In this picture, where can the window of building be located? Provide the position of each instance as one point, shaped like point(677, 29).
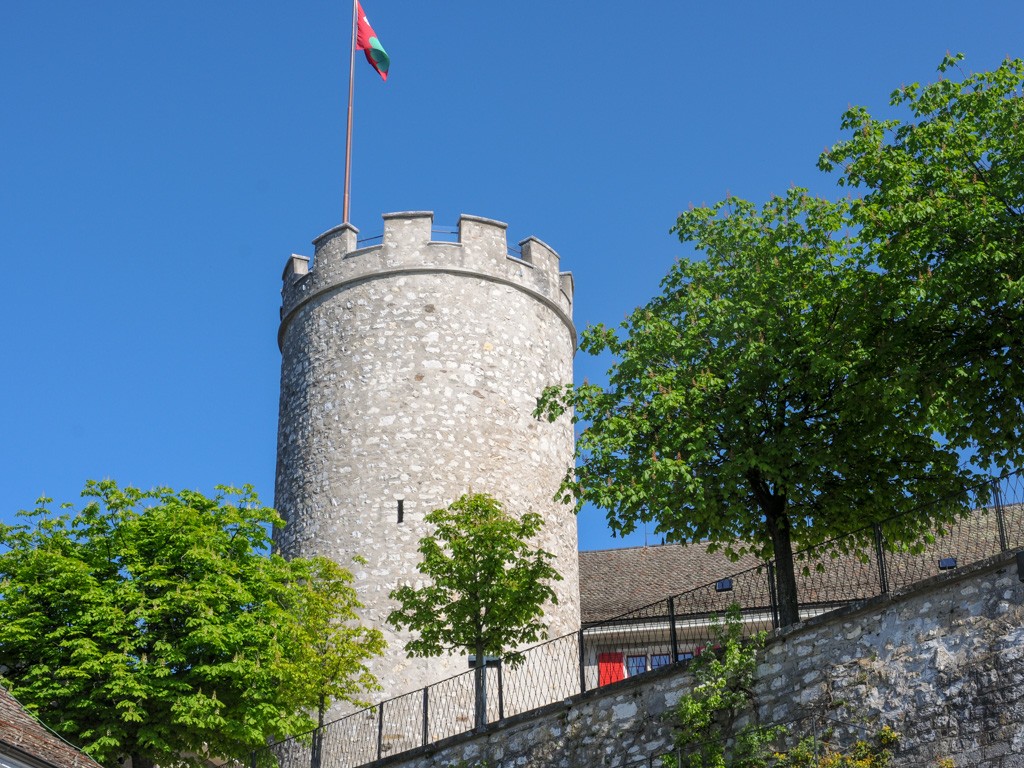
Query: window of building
point(636, 665)
point(615, 666)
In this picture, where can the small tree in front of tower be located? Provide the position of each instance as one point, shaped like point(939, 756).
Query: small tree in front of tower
point(328, 647)
point(488, 587)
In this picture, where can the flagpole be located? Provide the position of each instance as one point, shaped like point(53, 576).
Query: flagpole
point(348, 130)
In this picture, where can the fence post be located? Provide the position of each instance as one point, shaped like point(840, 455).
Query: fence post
point(252, 759)
point(997, 501)
point(583, 664)
point(380, 730)
point(772, 596)
point(672, 629)
point(426, 715)
point(883, 569)
point(501, 690)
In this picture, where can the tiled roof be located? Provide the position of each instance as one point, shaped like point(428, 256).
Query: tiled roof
point(614, 582)
point(23, 738)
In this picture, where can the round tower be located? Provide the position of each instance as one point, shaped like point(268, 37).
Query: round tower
point(410, 371)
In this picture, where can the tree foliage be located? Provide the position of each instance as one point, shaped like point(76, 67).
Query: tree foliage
point(744, 407)
point(151, 624)
point(873, 751)
point(942, 215)
point(706, 734)
point(329, 645)
point(714, 725)
point(487, 588)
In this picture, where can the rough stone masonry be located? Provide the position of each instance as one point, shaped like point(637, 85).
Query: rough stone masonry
point(410, 370)
point(942, 663)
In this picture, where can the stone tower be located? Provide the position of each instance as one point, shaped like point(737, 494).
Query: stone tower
point(410, 371)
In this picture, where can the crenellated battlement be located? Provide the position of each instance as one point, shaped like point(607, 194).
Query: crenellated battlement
point(407, 247)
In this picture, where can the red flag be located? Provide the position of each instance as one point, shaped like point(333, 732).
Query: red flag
point(366, 40)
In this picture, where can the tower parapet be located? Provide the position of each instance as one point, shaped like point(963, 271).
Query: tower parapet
point(407, 248)
point(410, 370)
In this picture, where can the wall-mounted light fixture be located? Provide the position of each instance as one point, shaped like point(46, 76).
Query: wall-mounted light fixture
point(492, 662)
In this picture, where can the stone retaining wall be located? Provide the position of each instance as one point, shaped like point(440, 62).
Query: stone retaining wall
point(942, 664)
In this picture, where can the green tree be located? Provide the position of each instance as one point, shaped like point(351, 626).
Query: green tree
point(873, 751)
point(743, 407)
point(151, 625)
point(487, 588)
point(329, 645)
point(706, 734)
point(942, 215)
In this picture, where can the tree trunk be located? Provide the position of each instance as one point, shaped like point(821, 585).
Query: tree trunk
point(316, 753)
point(773, 505)
point(785, 568)
point(481, 686)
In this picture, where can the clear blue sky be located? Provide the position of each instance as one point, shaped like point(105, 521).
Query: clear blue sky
point(159, 161)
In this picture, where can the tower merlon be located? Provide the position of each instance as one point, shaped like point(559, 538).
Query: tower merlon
point(488, 235)
point(407, 247)
point(545, 261)
point(339, 240)
point(406, 228)
point(568, 285)
point(294, 268)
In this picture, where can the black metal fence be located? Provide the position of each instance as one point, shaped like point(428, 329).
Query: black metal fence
point(840, 571)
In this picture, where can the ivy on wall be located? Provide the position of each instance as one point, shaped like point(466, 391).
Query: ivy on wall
point(716, 726)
